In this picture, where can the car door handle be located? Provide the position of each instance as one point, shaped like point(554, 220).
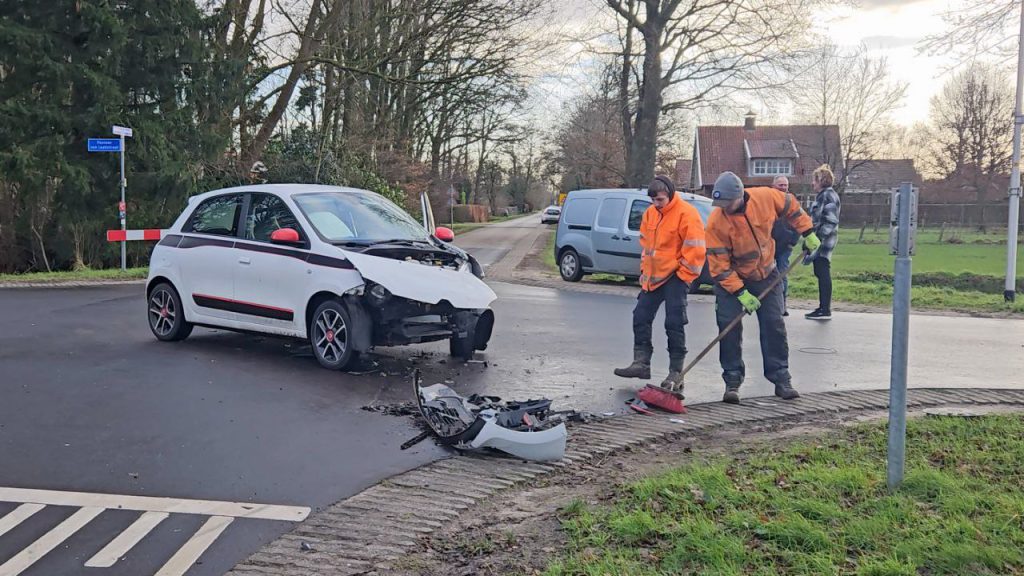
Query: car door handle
point(616, 237)
point(627, 238)
point(244, 260)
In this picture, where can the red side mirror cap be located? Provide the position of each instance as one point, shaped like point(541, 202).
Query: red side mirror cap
point(444, 234)
point(285, 236)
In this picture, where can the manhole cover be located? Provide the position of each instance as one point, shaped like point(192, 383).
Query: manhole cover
point(813, 350)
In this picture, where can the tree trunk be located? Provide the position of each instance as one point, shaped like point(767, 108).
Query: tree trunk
point(645, 137)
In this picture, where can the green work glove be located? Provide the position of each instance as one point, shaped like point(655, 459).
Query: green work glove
point(749, 301)
point(811, 242)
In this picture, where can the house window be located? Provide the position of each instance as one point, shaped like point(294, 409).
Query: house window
point(773, 167)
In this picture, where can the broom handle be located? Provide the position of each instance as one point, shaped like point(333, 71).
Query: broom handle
point(725, 331)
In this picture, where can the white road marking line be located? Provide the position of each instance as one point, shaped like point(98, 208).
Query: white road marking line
point(127, 539)
point(17, 516)
point(188, 554)
point(152, 504)
point(49, 541)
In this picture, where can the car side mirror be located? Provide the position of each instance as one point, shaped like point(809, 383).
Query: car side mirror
point(285, 236)
point(444, 234)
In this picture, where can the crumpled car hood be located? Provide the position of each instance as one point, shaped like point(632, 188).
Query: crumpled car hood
point(424, 283)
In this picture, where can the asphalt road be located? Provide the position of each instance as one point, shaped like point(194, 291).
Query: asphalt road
point(91, 402)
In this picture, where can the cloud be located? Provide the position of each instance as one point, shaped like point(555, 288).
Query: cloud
point(872, 4)
point(888, 42)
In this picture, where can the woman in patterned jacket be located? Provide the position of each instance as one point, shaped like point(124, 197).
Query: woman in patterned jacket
point(825, 213)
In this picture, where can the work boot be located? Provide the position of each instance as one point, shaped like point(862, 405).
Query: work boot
point(786, 391)
point(674, 381)
point(732, 394)
point(640, 368)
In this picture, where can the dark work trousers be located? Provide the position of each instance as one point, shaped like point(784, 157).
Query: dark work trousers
point(673, 294)
point(774, 345)
point(823, 270)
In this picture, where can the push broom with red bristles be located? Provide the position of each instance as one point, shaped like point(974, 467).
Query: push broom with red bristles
point(672, 401)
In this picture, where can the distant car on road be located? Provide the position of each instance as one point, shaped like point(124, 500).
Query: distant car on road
point(599, 231)
point(343, 268)
point(551, 215)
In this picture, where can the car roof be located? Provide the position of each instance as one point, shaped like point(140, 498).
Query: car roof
point(595, 192)
point(279, 189)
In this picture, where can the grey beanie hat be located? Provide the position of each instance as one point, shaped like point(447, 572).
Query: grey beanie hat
point(728, 187)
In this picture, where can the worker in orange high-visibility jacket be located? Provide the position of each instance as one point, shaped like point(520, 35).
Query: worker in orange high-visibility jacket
point(741, 259)
point(672, 257)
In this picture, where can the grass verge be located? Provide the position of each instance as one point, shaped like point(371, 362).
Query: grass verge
point(820, 507)
point(76, 276)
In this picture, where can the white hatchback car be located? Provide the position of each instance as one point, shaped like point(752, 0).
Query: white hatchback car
point(343, 268)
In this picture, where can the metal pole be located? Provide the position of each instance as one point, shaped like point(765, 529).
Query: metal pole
point(900, 342)
point(124, 215)
point(1011, 231)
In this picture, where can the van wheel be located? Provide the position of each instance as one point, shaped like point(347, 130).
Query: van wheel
point(330, 334)
point(569, 266)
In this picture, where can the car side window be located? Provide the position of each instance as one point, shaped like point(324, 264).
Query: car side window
point(268, 213)
point(610, 216)
point(636, 214)
point(218, 215)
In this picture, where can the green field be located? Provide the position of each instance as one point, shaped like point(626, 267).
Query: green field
point(820, 506)
point(77, 276)
point(965, 276)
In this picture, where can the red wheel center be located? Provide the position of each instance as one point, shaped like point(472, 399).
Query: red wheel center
point(163, 312)
point(330, 335)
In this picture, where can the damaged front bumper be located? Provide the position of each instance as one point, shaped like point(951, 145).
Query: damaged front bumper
point(520, 429)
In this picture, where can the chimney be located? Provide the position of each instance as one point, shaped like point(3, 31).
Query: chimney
point(748, 121)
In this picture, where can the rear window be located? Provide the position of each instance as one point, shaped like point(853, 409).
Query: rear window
point(580, 211)
point(611, 213)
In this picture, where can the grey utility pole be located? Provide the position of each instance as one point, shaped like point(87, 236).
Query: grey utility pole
point(1011, 231)
point(900, 336)
point(122, 208)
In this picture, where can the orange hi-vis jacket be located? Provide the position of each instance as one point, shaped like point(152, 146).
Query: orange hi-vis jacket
point(740, 245)
point(672, 242)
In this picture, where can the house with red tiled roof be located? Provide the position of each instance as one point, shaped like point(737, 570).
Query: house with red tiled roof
point(682, 175)
point(757, 154)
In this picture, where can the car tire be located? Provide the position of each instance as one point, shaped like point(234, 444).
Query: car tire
point(569, 266)
point(461, 347)
point(330, 336)
point(166, 315)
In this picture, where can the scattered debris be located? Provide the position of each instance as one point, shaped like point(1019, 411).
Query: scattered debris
point(402, 409)
point(677, 421)
point(529, 430)
point(414, 441)
point(306, 547)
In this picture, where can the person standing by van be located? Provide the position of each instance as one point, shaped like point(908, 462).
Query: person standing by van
point(741, 258)
point(672, 257)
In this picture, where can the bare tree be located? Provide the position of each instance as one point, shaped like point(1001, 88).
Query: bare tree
point(851, 90)
point(694, 52)
point(969, 135)
point(977, 28)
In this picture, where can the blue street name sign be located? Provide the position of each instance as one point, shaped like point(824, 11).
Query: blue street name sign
point(104, 144)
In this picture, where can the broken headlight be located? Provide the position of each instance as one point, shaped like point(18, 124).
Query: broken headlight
point(379, 295)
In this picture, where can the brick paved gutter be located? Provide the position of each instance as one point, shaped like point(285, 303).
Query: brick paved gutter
point(381, 524)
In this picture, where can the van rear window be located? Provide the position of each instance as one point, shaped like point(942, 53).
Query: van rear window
point(580, 211)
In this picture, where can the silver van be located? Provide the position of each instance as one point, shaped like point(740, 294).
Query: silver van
point(599, 231)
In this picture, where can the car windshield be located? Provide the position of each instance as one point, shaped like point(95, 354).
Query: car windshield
point(358, 218)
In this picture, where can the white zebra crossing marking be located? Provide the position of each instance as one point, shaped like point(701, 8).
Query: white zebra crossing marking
point(17, 516)
point(48, 541)
point(154, 511)
point(124, 541)
point(194, 548)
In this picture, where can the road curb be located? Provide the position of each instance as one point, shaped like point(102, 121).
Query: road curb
point(366, 532)
point(71, 284)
